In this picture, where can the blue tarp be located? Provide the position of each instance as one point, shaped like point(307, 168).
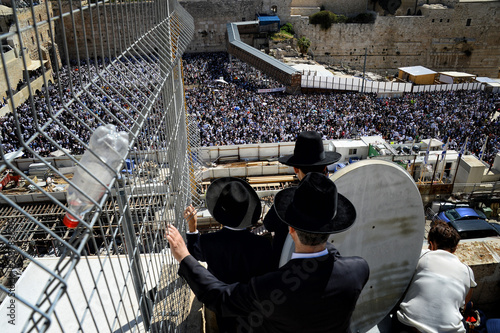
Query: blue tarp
point(336, 167)
point(265, 20)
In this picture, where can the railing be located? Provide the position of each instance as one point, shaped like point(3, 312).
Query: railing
point(115, 62)
point(312, 81)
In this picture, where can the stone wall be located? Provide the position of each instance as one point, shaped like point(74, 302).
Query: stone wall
point(346, 7)
point(451, 37)
point(23, 95)
point(32, 41)
point(282, 8)
point(443, 39)
point(109, 29)
point(211, 17)
point(27, 21)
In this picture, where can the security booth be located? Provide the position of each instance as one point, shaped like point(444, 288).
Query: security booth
point(490, 85)
point(456, 77)
point(417, 75)
point(269, 23)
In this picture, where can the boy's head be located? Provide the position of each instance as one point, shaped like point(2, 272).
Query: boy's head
point(233, 202)
point(442, 236)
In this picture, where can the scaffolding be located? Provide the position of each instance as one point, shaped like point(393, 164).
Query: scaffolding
point(70, 67)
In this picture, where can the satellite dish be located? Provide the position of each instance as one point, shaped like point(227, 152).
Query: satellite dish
point(388, 234)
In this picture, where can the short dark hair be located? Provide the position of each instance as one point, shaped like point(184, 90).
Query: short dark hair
point(444, 235)
point(311, 239)
point(313, 168)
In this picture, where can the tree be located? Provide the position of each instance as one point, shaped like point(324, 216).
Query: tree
point(324, 18)
point(288, 28)
point(303, 43)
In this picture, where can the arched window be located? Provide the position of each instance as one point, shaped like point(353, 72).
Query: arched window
point(274, 8)
point(408, 12)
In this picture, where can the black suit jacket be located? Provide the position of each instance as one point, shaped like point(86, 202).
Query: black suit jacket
point(305, 295)
point(232, 255)
point(274, 224)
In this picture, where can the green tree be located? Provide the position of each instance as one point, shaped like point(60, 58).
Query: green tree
point(324, 18)
point(288, 28)
point(303, 43)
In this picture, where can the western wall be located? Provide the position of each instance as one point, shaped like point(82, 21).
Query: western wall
point(449, 35)
point(37, 45)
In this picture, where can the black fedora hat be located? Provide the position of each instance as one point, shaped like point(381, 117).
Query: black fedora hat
point(315, 206)
point(309, 151)
point(233, 202)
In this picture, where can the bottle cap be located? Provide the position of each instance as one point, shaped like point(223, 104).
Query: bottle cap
point(70, 221)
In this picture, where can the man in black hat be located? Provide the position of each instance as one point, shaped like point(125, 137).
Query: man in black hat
point(233, 254)
point(316, 291)
point(309, 155)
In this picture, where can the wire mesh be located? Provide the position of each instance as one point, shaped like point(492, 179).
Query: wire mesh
point(69, 67)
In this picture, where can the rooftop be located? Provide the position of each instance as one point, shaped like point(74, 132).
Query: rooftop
point(417, 70)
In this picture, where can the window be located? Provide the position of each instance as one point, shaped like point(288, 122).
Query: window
point(32, 40)
point(274, 9)
point(353, 151)
point(468, 23)
point(41, 36)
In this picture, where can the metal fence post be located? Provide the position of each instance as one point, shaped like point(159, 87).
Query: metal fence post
point(146, 305)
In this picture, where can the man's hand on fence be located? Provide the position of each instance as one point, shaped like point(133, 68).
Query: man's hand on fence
point(177, 245)
point(191, 218)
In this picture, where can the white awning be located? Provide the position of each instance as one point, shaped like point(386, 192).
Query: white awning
point(35, 64)
point(457, 74)
point(417, 70)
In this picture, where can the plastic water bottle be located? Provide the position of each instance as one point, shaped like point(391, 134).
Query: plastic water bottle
point(112, 147)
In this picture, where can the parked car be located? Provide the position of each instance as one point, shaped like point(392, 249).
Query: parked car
point(469, 222)
point(496, 226)
point(461, 213)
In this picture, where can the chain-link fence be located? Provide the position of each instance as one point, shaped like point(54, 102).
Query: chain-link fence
point(69, 67)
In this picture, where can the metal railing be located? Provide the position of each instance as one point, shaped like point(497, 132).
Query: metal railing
point(312, 81)
point(101, 62)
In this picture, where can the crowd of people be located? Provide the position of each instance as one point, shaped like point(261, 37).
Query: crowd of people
point(316, 289)
point(234, 113)
point(223, 97)
point(79, 98)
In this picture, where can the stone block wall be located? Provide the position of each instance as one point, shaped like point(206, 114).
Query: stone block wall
point(346, 7)
point(483, 256)
point(443, 39)
point(15, 72)
point(211, 17)
point(454, 36)
point(27, 19)
point(108, 29)
point(282, 8)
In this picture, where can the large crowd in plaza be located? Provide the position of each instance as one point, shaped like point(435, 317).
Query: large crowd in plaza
point(222, 96)
point(235, 113)
point(78, 101)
